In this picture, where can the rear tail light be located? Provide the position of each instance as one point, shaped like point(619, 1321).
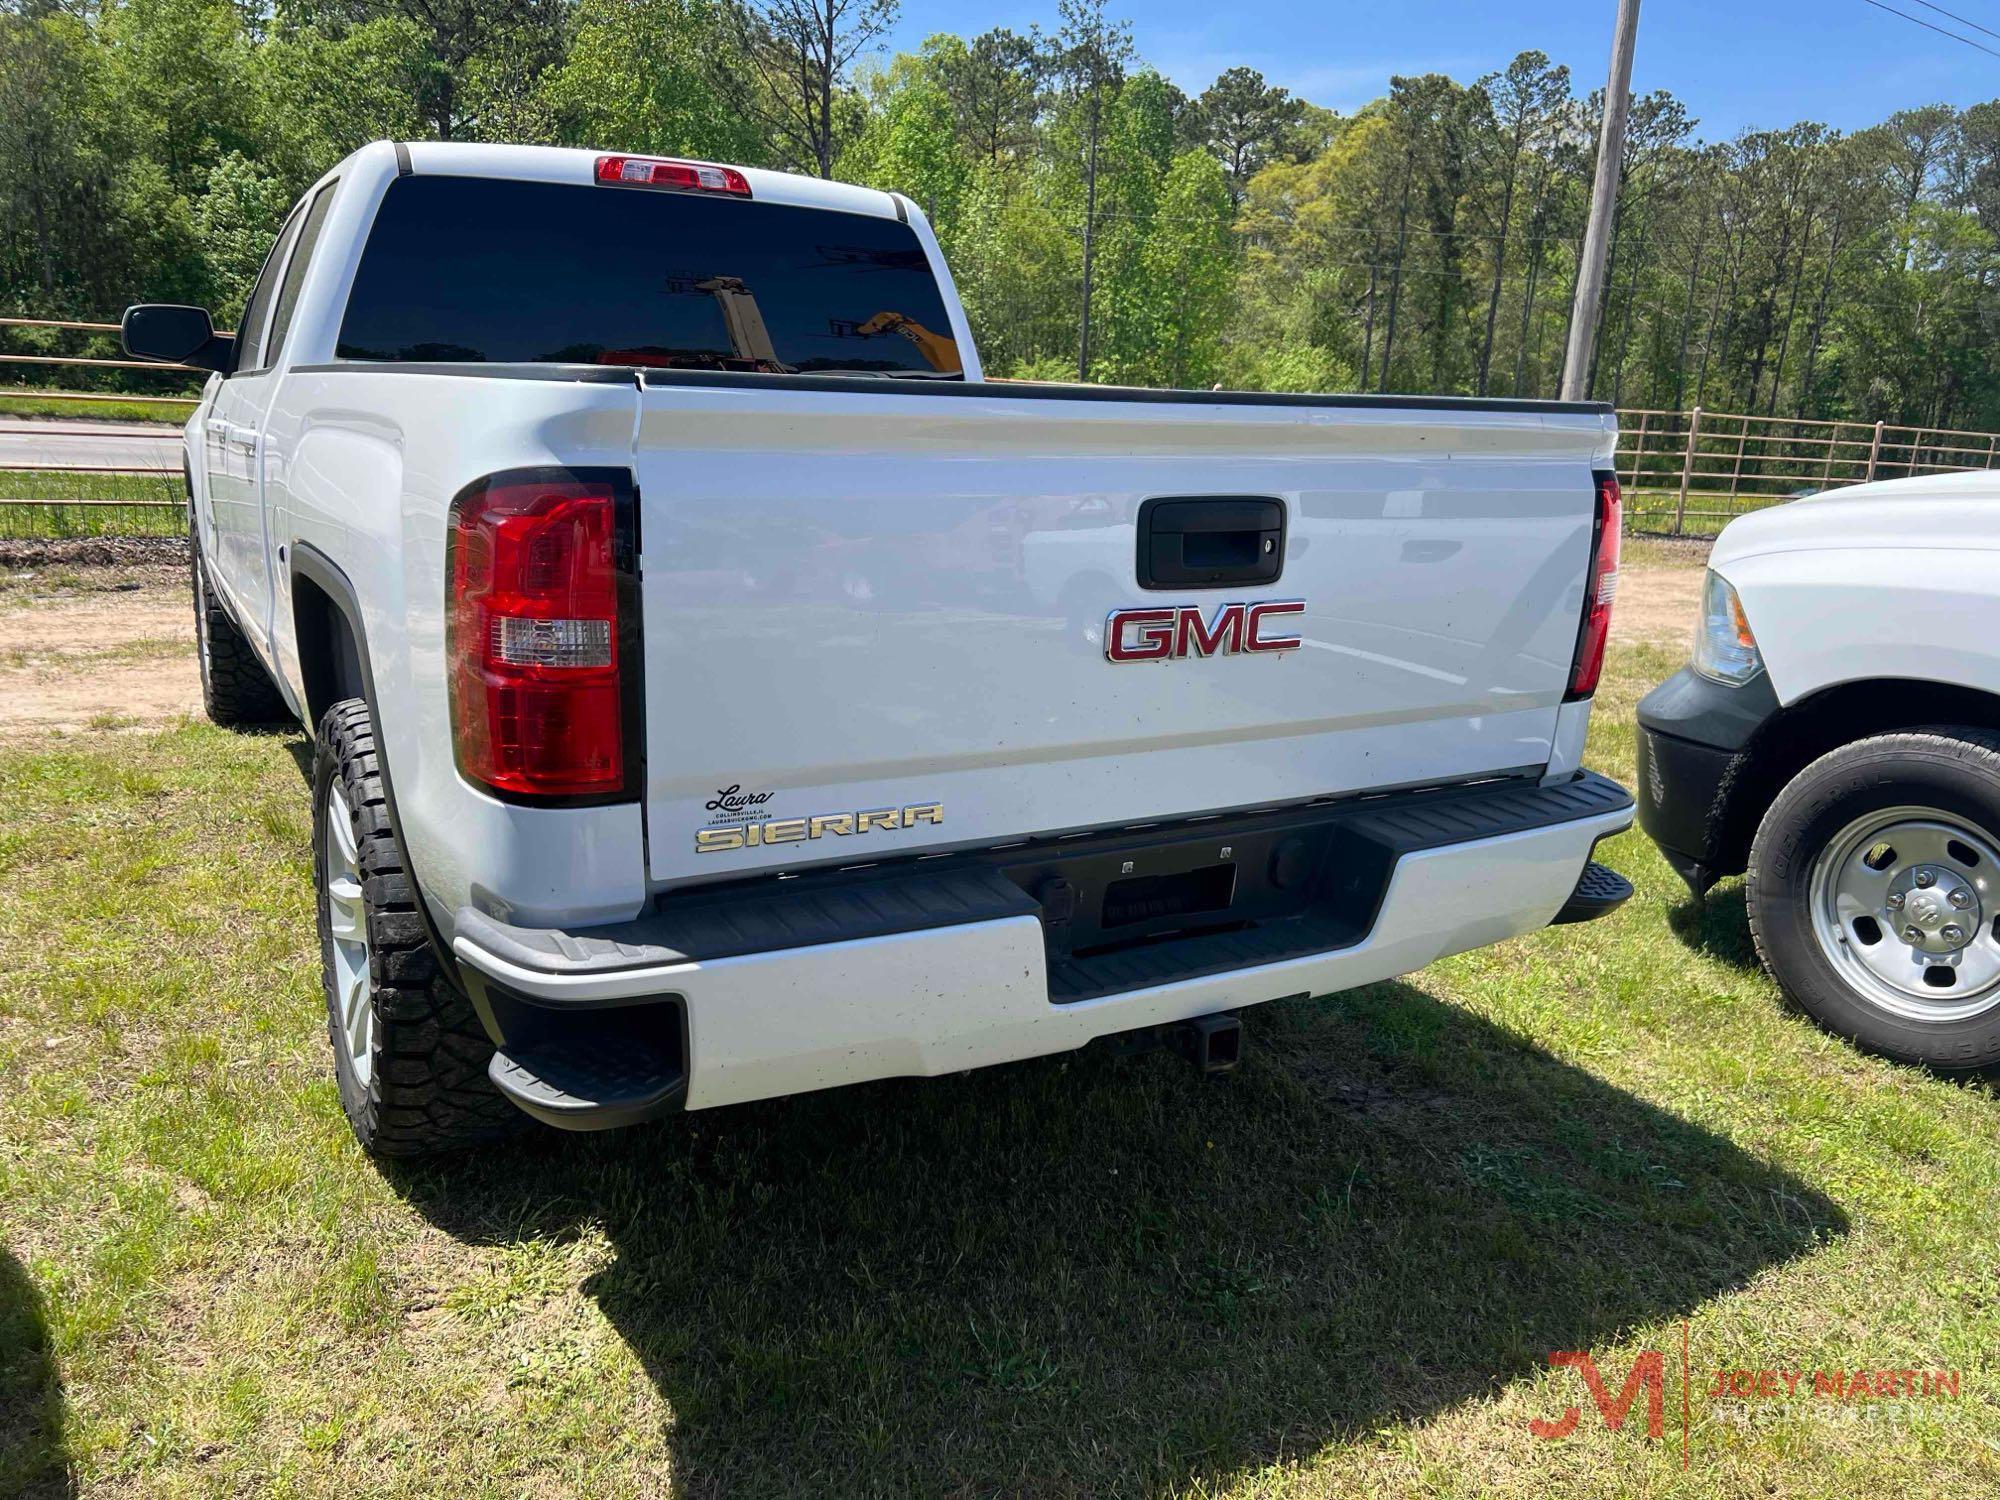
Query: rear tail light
point(1600, 589)
point(677, 176)
point(539, 630)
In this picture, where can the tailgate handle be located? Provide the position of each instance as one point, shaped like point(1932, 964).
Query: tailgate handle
point(1210, 541)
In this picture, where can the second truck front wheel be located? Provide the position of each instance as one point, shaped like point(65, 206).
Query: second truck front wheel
point(1874, 895)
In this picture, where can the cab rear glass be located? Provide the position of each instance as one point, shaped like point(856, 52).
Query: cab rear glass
point(467, 269)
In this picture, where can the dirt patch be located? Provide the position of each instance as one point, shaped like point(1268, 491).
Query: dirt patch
point(1668, 551)
point(1656, 606)
point(92, 623)
point(19, 553)
point(97, 659)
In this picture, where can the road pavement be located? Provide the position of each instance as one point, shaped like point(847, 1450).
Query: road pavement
point(29, 442)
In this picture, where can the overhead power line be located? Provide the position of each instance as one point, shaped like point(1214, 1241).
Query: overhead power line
point(1920, 21)
point(1989, 31)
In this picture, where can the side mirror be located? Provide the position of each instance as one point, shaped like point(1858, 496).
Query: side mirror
point(176, 335)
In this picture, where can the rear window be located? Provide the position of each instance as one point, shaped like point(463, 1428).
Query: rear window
point(475, 269)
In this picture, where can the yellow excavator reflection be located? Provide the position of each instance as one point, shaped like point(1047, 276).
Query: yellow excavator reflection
point(750, 346)
point(939, 352)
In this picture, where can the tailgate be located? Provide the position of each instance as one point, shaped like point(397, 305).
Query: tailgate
point(875, 621)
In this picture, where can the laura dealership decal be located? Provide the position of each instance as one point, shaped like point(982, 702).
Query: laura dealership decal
point(739, 822)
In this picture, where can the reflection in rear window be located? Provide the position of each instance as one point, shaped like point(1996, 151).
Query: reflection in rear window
point(476, 269)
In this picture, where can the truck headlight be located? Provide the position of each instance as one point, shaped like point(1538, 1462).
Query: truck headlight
point(1724, 648)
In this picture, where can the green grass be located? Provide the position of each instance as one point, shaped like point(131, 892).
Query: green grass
point(1651, 512)
point(1339, 1271)
point(58, 404)
point(52, 503)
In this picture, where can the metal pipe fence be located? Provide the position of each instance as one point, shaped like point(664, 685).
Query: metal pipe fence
point(95, 480)
point(46, 334)
point(1685, 473)
point(1688, 473)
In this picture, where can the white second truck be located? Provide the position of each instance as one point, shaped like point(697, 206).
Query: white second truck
point(1836, 739)
point(721, 690)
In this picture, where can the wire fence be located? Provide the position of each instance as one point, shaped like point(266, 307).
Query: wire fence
point(1689, 473)
point(1685, 473)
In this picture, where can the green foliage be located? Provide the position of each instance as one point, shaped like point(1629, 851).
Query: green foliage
point(1015, 259)
point(235, 220)
point(789, 68)
point(326, 92)
point(1429, 242)
point(1187, 270)
point(1246, 122)
point(176, 72)
point(910, 147)
point(635, 78)
point(993, 83)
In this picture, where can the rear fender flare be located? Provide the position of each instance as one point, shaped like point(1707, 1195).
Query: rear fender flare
point(329, 673)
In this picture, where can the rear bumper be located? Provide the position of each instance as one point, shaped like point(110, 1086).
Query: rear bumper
point(785, 989)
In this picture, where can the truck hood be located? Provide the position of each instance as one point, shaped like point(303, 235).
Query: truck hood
point(1927, 510)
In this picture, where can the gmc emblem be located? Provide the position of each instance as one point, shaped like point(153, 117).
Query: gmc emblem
point(1170, 632)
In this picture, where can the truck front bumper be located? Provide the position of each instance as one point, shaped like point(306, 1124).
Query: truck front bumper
point(784, 987)
point(1694, 739)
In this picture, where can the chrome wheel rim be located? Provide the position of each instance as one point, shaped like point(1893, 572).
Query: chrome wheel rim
point(1905, 902)
point(347, 928)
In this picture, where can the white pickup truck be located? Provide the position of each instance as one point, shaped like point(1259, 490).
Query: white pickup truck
point(652, 560)
point(1836, 738)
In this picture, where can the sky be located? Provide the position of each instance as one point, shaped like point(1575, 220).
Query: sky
point(1748, 64)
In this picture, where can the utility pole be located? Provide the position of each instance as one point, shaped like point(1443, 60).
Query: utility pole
point(1603, 206)
point(1089, 228)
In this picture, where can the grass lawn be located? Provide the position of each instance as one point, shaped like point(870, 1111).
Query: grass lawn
point(1652, 511)
point(1340, 1271)
point(53, 503)
point(25, 403)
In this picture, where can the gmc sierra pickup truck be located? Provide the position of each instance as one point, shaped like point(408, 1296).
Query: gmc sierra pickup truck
point(722, 691)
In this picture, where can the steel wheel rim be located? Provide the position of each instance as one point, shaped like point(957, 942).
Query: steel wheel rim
point(347, 931)
point(1904, 870)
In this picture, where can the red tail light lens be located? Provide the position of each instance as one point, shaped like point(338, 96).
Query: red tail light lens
point(677, 176)
point(533, 635)
point(1600, 591)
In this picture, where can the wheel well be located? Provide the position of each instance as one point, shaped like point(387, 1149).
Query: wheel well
point(329, 654)
point(1796, 736)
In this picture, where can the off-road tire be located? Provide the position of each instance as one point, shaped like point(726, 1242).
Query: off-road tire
point(428, 1089)
point(235, 689)
point(1953, 769)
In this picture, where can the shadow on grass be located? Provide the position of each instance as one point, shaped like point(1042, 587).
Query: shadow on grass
point(32, 1462)
point(1718, 926)
point(1081, 1274)
point(300, 749)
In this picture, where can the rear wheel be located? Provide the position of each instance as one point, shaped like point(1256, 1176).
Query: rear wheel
point(1874, 895)
point(235, 689)
point(409, 1054)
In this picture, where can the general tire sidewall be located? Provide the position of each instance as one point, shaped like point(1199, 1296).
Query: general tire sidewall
point(1825, 798)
